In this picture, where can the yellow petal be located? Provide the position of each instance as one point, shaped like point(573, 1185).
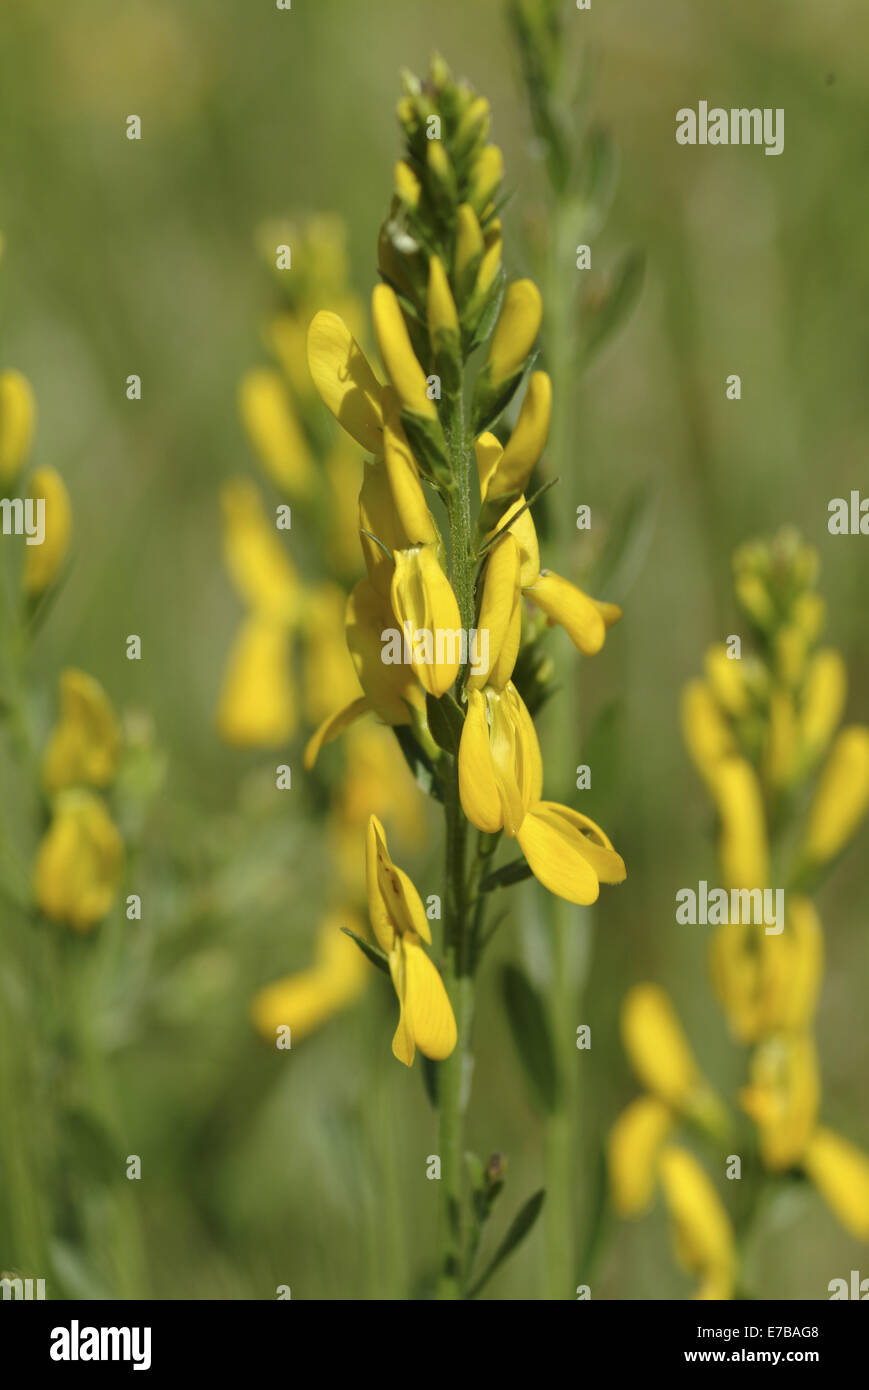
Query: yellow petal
point(782, 1097)
point(568, 853)
point(43, 563)
point(527, 442)
point(407, 185)
point(516, 330)
point(274, 431)
point(742, 846)
point(396, 351)
point(516, 757)
point(426, 610)
point(394, 905)
point(17, 424)
point(408, 498)
point(390, 688)
point(486, 176)
point(529, 551)
point(573, 610)
point(440, 306)
point(344, 379)
point(78, 865)
point(427, 1013)
point(633, 1146)
point(841, 796)
point(707, 735)
point(332, 728)
point(257, 707)
point(469, 238)
point(488, 450)
point(725, 677)
point(85, 744)
point(840, 1172)
point(657, 1047)
point(258, 563)
point(499, 612)
point(702, 1233)
point(823, 702)
point(478, 789)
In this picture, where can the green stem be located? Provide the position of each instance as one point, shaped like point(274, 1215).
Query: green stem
point(454, 1073)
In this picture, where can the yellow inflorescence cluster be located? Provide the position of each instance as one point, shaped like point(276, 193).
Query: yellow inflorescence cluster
point(757, 727)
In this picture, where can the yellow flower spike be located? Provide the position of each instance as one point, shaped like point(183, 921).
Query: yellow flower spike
point(823, 702)
point(257, 705)
point(17, 424)
point(780, 759)
point(841, 796)
point(565, 604)
point(708, 736)
point(79, 862)
point(408, 498)
point(658, 1049)
point(399, 922)
point(345, 380)
point(702, 1234)
point(516, 330)
point(85, 744)
point(396, 351)
point(726, 680)
point(407, 185)
point(568, 853)
point(443, 319)
point(500, 614)
point(633, 1146)
point(426, 610)
point(742, 848)
point(258, 563)
point(308, 998)
point(486, 176)
point(840, 1172)
point(469, 240)
point(782, 1097)
point(526, 443)
point(274, 431)
point(43, 563)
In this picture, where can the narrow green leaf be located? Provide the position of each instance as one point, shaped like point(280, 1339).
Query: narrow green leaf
point(530, 1027)
point(607, 306)
point(514, 872)
point(522, 1224)
point(374, 953)
point(445, 720)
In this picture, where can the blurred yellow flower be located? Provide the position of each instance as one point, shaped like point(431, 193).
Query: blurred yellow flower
point(275, 432)
point(769, 983)
point(259, 565)
point(43, 563)
point(742, 848)
point(257, 705)
point(702, 1234)
point(305, 1000)
point(17, 424)
point(840, 1171)
point(661, 1056)
point(633, 1146)
point(398, 918)
point(79, 862)
point(841, 796)
point(85, 743)
point(782, 1097)
point(707, 734)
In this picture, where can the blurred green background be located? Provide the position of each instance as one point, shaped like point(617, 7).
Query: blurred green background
point(308, 1168)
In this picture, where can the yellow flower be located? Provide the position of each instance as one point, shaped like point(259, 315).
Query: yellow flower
point(398, 918)
point(841, 796)
point(84, 746)
point(840, 1172)
point(724, 675)
point(43, 563)
point(330, 677)
point(259, 564)
point(526, 443)
point(769, 984)
point(742, 847)
point(414, 519)
point(427, 613)
point(516, 330)
point(273, 429)
point(823, 702)
point(394, 345)
point(469, 241)
point(702, 1233)
point(661, 1057)
point(17, 424)
point(707, 734)
point(407, 185)
point(345, 380)
point(780, 763)
point(305, 1000)
point(782, 1097)
point(584, 620)
point(78, 866)
point(633, 1146)
point(391, 690)
point(500, 618)
point(257, 707)
point(486, 175)
point(443, 320)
